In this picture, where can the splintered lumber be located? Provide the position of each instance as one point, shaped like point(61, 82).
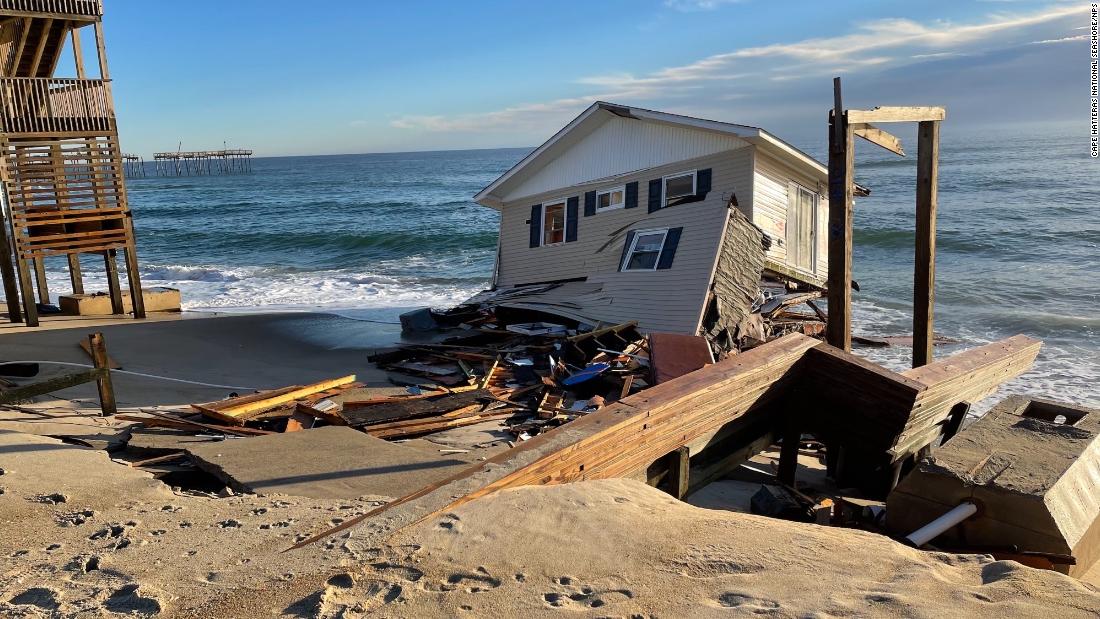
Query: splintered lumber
point(238, 410)
point(620, 438)
point(160, 420)
point(878, 137)
point(357, 414)
point(434, 424)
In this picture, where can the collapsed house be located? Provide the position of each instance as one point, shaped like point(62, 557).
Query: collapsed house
point(629, 214)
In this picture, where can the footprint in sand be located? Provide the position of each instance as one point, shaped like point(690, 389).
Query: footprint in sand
point(40, 597)
point(472, 582)
point(74, 519)
point(575, 595)
point(748, 602)
point(131, 599)
point(54, 498)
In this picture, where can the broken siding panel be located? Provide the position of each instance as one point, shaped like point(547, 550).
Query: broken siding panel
point(770, 208)
point(620, 146)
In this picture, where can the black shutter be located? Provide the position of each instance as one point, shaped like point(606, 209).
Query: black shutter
point(536, 225)
point(655, 194)
point(668, 250)
point(631, 195)
point(702, 184)
point(626, 247)
point(571, 208)
point(589, 203)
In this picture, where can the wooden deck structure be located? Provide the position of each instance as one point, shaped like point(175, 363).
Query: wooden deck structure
point(60, 162)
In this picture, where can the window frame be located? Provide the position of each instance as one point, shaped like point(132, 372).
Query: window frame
point(664, 185)
point(610, 190)
point(564, 202)
point(623, 267)
point(815, 207)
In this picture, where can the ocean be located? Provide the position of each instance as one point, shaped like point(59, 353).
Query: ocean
point(367, 236)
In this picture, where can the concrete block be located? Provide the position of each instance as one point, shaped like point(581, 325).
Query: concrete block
point(1033, 468)
point(157, 299)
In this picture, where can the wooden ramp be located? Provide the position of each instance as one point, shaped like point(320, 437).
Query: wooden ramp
point(769, 383)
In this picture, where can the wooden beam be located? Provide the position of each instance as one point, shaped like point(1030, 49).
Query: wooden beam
point(17, 56)
point(838, 330)
point(26, 392)
point(239, 412)
point(40, 280)
point(924, 276)
point(110, 263)
point(7, 271)
point(75, 276)
point(46, 27)
point(101, 51)
point(78, 54)
point(788, 454)
point(878, 137)
point(892, 114)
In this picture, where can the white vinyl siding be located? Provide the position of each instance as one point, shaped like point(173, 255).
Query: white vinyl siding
point(662, 300)
point(620, 146)
point(770, 206)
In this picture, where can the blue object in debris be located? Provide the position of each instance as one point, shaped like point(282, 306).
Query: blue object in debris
point(587, 373)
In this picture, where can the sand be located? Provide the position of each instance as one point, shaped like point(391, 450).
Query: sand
point(81, 535)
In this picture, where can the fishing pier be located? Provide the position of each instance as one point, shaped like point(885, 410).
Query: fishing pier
point(203, 162)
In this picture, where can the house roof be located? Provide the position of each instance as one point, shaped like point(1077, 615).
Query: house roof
point(600, 112)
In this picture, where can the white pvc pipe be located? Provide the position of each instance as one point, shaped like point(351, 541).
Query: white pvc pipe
point(933, 529)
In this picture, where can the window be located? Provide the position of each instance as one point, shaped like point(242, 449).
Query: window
point(609, 199)
point(553, 222)
point(679, 186)
point(645, 250)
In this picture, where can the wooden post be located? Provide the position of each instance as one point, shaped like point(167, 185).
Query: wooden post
point(113, 287)
point(838, 330)
point(30, 312)
point(788, 455)
point(679, 472)
point(101, 51)
point(78, 55)
point(75, 276)
point(7, 273)
point(103, 365)
point(924, 276)
point(40, 279)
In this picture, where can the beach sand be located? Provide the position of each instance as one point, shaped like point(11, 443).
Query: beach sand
point(83, 535)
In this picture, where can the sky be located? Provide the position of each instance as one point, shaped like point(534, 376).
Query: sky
point(334, 76)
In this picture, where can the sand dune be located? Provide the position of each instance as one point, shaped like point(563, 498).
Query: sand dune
point(84, 535)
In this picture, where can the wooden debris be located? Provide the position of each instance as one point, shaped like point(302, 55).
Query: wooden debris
point(238, 410)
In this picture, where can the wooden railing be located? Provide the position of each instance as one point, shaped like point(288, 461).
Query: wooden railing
point(55, 105)
point(86, 8)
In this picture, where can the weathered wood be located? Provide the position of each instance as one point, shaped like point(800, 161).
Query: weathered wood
point(160, 420)
point(86, 346)
point(7, 273)
point(40, 281)
point(241, 410)
point(25, 393)
point(679, 472)
point(924, 276)
point(358, 414)
point(878, 137)
point(75, 276)
point(788, 454)
point(838, 329)
point(891, 114)
point(114, 289)
point(103, 382)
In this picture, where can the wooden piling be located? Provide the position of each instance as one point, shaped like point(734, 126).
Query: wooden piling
point(924, 274)
point(103, 382)
point(838, 329)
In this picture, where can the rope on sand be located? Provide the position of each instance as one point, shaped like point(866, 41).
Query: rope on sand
point(168, 378)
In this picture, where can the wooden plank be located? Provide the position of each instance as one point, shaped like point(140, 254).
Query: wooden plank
point(238, 412)
point(357, 414)
point(160, 420)
point(25, 393)
point(878, 137)
point(890, 114)
point(924, 275)
point(103, 380)
point(838, 329)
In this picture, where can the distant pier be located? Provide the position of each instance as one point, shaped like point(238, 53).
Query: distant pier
point(133, 166)
point(203, 162)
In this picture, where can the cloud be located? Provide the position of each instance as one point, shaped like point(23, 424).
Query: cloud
point(1079, 37)
point(750, 72)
